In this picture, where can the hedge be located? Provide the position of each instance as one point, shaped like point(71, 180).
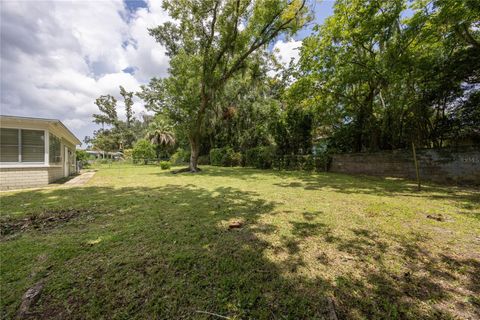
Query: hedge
point(265, 158)
point(225, 157)
point(260, 157)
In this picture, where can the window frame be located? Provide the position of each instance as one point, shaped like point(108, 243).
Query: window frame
point(21, 163)
point(47, 155)
point(22, 146)
point(19, 138)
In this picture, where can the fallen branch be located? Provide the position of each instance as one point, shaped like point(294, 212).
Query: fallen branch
point(331, 308)
point(213, 314)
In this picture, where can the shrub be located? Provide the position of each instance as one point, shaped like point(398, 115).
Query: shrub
point(225, 157)
point(234, 159)
point(216, 156)
point(204, 160)
point(81, 155)
point(143, 151)
point(260, 157)
point(164, 165)
point(127, 154)
point(82, 158)
point(180, 156)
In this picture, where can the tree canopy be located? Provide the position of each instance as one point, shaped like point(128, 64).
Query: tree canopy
point(375, 75)
point(210, 44)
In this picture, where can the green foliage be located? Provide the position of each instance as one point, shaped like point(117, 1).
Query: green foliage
point(232, 158)
point(379, 79)
point(293, 131)
point(260, 157)
point(107, 105)
point(216, 156)
point(207, 49)
point(81, 155)
point(143, 152)
point(181, 156)
point(225, 157)
point(164, 165)
point(204, 160)
point(118, 134)
point(128, 154)
point(160, 132)
point(243, 112)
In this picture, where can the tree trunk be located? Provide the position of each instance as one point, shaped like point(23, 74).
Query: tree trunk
point(196, 133)
point(194, 152)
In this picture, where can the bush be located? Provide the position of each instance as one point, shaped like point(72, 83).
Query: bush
point(181, 156)
point(143, 151)
point(164, 165)
point(81, 155)
point(235, 159)
point(260, 157)
point(216, 155)
point(204, 160)
point(82, 158)
point(225, 157)
point(127, 154)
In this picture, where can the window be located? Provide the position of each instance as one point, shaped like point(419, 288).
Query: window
point(18, 145)
point(55, 151)
point(9, 145)
point(33, 146)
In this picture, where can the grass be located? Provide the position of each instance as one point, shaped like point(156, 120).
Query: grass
point(144, 243)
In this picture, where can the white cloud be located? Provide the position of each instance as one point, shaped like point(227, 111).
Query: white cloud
point(74, 123)
point(285, 51)
point(57, 57)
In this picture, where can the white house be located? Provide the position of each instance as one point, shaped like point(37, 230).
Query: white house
point(34, 152)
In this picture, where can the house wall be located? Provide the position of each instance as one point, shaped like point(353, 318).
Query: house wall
point(54, 174)
point(19, 178)
point(453, 166)
point(26, 175)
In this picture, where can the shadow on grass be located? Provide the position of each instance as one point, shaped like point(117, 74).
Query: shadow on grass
point(466, 198)
point(168, 253)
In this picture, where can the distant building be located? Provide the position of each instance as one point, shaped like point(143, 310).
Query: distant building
point(35, 152)
point(99, 154)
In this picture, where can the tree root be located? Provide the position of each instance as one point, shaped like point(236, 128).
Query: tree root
point(188, 170)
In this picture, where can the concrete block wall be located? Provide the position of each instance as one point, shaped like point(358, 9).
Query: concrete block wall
point(55, 173)
point(448, 165)
point(17, 178)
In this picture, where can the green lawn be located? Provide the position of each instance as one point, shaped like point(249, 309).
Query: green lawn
point(138, 242)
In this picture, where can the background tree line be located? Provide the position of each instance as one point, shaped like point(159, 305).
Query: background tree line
point(376, 75)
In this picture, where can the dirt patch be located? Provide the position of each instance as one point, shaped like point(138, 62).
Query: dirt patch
point(40, 221)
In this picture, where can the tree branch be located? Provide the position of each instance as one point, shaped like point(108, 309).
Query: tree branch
point(259, 41)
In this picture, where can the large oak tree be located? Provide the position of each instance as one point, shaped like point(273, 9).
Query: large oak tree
point(209, 43)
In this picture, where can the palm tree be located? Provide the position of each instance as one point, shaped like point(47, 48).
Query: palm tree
point(160, 133)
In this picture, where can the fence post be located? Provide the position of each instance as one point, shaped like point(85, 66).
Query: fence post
point(416, 166)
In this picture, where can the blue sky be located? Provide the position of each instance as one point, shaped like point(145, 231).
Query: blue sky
point(57, 57)
point(322, 10)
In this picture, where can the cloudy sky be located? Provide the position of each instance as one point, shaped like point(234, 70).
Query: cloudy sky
point(58, 56)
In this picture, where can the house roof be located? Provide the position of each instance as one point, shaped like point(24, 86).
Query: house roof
point(50, 122)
